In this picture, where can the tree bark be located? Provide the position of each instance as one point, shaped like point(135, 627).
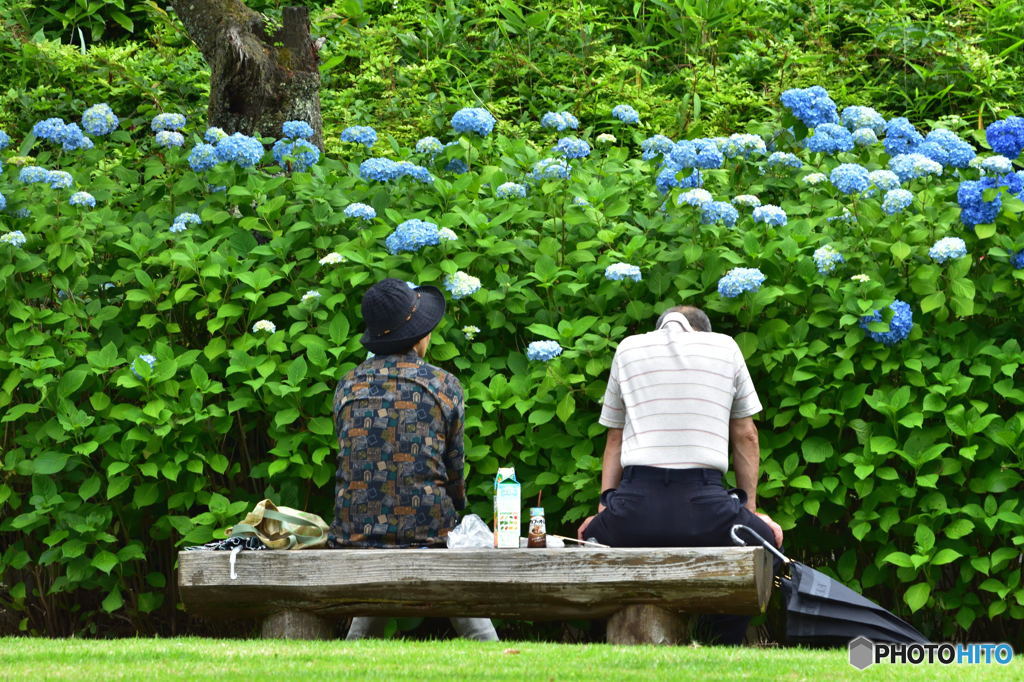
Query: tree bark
point(258, 80)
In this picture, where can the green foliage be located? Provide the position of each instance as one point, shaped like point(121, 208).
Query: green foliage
point(911, 451)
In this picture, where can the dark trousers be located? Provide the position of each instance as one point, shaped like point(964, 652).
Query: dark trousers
point(658, 507)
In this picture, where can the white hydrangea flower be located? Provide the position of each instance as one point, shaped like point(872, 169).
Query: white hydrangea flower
point(264, 326)
point(333, 258)
point(310, 295)
point(861, 278)
point(606, 138)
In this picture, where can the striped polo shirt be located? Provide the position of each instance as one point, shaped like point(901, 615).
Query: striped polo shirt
point(673, 393)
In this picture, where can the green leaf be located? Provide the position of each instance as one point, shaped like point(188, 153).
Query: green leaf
point(900, 250)
point(917, 596)
point(297, 370)
point(545, 330)
point(566, 407)
point(90, 487)
point(104, 561)
point(113, 601)
point(816, 449)
point(899, 559)
point(49, 463)
point(985, 230)
point(945, 556)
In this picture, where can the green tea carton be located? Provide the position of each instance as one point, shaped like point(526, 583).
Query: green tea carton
point(507, 508)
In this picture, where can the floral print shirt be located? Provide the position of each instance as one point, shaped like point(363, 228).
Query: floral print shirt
point(399, 423)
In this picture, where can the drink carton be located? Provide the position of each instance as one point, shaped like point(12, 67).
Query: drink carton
point(507, 508)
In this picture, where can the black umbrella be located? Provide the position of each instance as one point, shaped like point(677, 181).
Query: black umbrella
point(821, 611)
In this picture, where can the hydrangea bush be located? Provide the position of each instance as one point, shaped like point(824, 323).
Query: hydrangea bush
point(176, 317)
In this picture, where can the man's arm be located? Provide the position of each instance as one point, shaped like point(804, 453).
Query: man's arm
point(746, 457)
point(611, 467)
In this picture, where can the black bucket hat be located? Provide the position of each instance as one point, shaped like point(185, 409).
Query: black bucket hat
point(398, 316)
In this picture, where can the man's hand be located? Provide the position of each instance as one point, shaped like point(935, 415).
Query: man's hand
point(776, 528)
point(583, 527)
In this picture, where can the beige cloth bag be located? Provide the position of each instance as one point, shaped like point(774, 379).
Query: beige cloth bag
point(282, 527)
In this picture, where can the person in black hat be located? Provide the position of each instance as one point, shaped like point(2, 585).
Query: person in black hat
point(399, 423)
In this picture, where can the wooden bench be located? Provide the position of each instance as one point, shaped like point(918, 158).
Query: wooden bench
point(643, 591)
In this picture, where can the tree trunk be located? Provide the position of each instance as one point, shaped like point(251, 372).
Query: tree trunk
point(257, 80)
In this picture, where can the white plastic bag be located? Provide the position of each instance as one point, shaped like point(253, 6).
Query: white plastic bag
point(471, 533)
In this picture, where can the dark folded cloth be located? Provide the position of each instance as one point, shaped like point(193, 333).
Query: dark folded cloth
point(228, 544)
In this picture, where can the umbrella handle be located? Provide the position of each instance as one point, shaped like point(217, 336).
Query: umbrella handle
point(767, 545)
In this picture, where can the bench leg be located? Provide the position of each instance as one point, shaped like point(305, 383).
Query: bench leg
point(647, 624)
point(296, 625)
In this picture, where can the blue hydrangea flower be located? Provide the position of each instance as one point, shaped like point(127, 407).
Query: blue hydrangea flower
point(245, 151)
point(461, 284)
point(944, 147)
point(748, 200)
point(300, 153)
point(850, 178)
point(900, 137)
point(82, 199)
point(621, 271)
point(884, 179)
point(697, 196)
point(99, 119)
point(543, 351)
point(183, 220)
point(213, 135)
point(169, 138)
point(811, 105)
point(71, 138)
point(830, 138)
point(429, 145)
point(864, 137)
point(739, 280)
point(719, 212)
point(559, 121)
point(743, 144)
point(572, 148)
point(379, 169)
point(708, 154)
point(770, 215)
point(14, 238)
point(167, 122)
point(510, 190)
point(682, 155)
point(625, 113)
point(203, 157)
point(913, 165)
point(997, 164)
point(784, 159)
point(408, 169)
point(59, 179)
point(857, 118)
point(3, 201)
point(358, 210)
point(32, 174)
point(364, 135)
point(896, 200)
point(297, 130)
point(551, 168)
point(827, 259)
point(974, 210)
point(145, 358)
point(947, 248)
point(412, 235)
point(655, 146)
point(845, 217)
point(1017, 260)
point(669, 178)
point(5, 140)
point(473, 120)
point(580, 201)
point(899, 326)
point(1006, 137)
point(49, 129)
point(457, 166)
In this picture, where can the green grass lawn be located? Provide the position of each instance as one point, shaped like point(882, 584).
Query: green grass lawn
point(158, 659)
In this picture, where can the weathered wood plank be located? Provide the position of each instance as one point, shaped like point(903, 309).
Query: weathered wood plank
point(296, 625)
point(647, 624)
point(533, 584)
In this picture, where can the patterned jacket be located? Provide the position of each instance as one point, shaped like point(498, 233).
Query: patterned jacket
point(399, 423)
